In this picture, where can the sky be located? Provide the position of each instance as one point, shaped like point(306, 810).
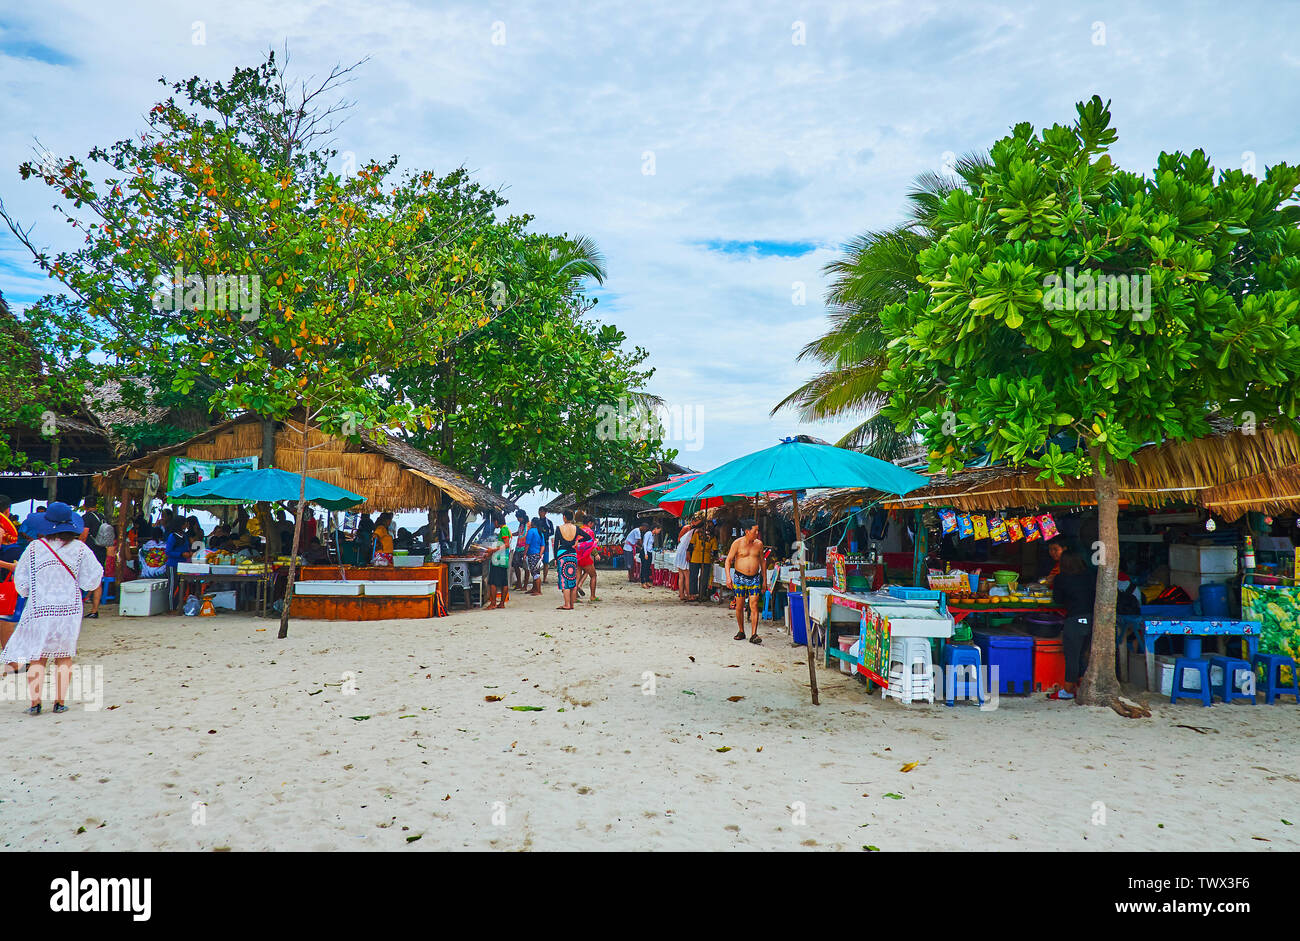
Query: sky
point(720, 154)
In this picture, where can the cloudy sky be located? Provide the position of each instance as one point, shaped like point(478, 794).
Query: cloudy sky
point(720, 154)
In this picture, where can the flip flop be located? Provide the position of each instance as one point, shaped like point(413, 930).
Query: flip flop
point(739, 636)
point(755, 639)
point(59, 707)
point(1061, 695)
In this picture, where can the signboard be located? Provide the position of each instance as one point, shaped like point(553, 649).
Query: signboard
point(183, 471)
point(874, 634)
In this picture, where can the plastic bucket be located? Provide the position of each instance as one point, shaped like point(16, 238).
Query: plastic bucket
point(798, 627)
point(1214, 601)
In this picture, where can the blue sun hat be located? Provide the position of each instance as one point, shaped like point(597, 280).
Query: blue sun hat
point(57, 518)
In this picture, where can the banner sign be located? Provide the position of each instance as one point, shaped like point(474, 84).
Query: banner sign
point(184, 471)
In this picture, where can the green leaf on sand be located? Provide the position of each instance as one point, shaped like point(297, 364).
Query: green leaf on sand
point(528, 708)
point(359, 718)
point(412, 839)
point(723, 748)
point(894, 797)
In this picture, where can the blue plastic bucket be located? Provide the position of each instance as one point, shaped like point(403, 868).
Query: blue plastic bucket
point(798, 627)
point(1214, 601)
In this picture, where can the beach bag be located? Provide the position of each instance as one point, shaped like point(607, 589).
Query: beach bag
point(8, 599)
point(155, 557)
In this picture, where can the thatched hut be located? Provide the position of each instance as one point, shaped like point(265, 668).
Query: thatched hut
point(616, 503)
point(390, 474)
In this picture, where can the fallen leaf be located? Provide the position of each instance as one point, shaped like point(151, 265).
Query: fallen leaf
point(528, 708)
point(688, 692)
point(212, 731)
point(735, 698)
point(412, 839)
point(723, 748)
point(759, 748)
point(871, 849)
point(114, 707)
point(1262, 839)
point(692, 659)
point(411, 716)
point(1287, 822)
point(447, 798)
point(359, 718)
point(909, 766)
point(493, 698)
point(81, 829)
point(894, 797)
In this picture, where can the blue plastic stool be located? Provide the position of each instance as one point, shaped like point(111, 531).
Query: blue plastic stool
point(960, 657)
point(1231, 666)
point(1273, 686)
point(1202, 667)
point(107, 587)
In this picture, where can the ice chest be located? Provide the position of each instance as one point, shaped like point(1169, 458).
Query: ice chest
point(1012, 654)
point(143, 597)
point(1049, 663)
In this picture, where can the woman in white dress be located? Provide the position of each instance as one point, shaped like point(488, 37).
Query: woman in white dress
point(683, 567)
point(53, 571)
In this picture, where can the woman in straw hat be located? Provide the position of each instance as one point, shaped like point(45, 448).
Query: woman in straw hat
point(53, 571)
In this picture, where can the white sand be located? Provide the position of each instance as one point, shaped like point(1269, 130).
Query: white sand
point(218, 711)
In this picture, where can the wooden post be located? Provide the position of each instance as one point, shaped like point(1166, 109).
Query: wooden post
point(119, 563)
point(920, 549)
point(803, 565)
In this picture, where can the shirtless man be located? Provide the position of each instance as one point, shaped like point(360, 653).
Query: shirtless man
point(749, 582)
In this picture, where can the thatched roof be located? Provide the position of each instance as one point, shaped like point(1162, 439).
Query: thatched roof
point(388, 473)
point(1229, 472)
point(616, 502)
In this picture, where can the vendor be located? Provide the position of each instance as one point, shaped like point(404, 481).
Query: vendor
point(382, 540)
point(1055, 549)
point(1074, 588)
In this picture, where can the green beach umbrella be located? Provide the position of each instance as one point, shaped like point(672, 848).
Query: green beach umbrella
point(264, 486)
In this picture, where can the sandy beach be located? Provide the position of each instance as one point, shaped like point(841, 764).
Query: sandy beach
point(215, 735)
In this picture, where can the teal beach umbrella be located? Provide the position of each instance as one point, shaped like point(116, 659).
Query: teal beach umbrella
point(264, 486)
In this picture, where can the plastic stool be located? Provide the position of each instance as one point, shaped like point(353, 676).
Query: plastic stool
point(914, 677)
point(1200, 666)
point(107, 589)
point(960, 657)
point(1231, 667)
point(1273, 685)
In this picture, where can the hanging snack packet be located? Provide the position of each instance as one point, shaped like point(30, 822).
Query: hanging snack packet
point(1030, 526)
point(1014, 532)
point(981, 525)
point(1047, 526)
point(964, 526)
point(998, 529)
point(948, 521)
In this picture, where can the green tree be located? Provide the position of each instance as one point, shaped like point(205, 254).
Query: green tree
point(1022, 328)
point(515, 403)
point(878, 268)
point(223, 251)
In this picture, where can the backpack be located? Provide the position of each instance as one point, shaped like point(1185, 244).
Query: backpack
point(106, 535)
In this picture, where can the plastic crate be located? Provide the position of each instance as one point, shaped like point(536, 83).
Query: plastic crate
point(1012, 654)
point(915, 594)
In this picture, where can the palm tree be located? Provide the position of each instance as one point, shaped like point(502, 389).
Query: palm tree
point(878, 269)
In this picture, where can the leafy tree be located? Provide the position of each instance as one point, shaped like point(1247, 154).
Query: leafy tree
point(877, 269)
point(515, 402)
point(998, 351)
point(322, 282)
point(41, 374)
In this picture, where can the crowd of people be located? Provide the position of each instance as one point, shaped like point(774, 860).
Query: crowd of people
point(524, 557)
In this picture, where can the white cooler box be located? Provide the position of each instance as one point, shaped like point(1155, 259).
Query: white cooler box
point(143, 597)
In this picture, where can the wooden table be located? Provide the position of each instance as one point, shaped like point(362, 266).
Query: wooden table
point(961, 612)
point(380, 573)
point(263, 581)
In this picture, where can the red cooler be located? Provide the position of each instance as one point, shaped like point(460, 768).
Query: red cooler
point(1049, 663)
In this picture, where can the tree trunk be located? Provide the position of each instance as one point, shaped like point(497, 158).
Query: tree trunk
point(459, 519)
point(297, 528)
point(119, 548)
point(1099, 687)
point(52, 477)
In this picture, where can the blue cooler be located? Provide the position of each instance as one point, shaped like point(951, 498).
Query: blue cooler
point(1012, 653)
